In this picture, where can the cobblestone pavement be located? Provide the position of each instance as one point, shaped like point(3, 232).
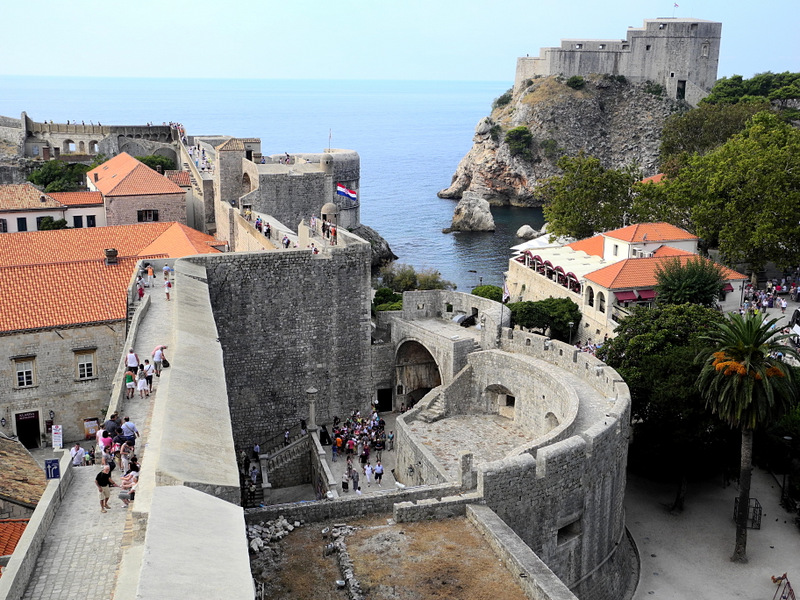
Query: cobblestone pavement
point(82, 550)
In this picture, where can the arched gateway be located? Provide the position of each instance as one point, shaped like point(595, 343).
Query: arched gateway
point(416, 373)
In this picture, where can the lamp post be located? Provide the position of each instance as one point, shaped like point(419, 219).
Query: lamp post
point(571, 325)
point(311, 394)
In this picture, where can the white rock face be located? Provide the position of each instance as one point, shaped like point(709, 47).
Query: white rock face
point(526, 232)
point(472, 214)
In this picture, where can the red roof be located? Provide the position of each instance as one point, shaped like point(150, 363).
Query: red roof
point(181, 178)
point(592, 246)
point(59, 278)
point(650, 232)
point(633, 273)
point(25, 196)
point(10, 532)
point(123, 175)
point(654, 178)
point(77, 198)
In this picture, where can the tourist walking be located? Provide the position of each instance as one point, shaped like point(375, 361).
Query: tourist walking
point(130, 382)
point(77, 454)
point(167, 287)
point(104, 484)
point(141, 382)
point(368, 473)
point(158, 358)
point(378, 473)
point(132, 360)
point(149, 371)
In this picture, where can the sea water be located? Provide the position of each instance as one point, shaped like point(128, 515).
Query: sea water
point(410, 136)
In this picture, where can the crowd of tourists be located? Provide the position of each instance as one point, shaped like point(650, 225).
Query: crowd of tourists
point(358, 441)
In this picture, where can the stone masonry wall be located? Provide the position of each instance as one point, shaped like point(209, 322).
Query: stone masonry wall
point(56, 384)
point(273, 351)
point(122, 210)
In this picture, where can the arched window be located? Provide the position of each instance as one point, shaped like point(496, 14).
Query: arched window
point(589, 295)
point(601, 302)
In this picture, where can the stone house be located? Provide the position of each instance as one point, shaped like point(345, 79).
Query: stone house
point(609, 273)
point(135, 193)
point(63, 318)
point(23, 206)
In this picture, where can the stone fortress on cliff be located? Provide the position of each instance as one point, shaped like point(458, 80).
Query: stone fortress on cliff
point(680, 54)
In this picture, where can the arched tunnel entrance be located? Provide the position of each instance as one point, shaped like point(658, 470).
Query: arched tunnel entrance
point(416, 373)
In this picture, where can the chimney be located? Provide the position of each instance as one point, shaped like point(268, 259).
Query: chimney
point(111, 256)
point(96, 177)
point(42, 198)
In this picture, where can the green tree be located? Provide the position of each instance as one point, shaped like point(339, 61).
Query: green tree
point(696, 281)
point(528, 315)
point(587, 198)
point(706, 127)
point(400, 277)
point(431, 279)
point(49, 223)
point(492, 292)
point(520, 142)
point(746, 387)
point(59, 176)
point(554, 314)
point(730, 90)
point(654, 350)
point(155, 160)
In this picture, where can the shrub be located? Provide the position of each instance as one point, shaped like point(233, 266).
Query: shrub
point(502, 100)
point(390, 306)
point(550, 149)
point(519, 142)
point(576, 82)
point(492, 292)
point(654, 88)
point(496, 133)
point(154, 161)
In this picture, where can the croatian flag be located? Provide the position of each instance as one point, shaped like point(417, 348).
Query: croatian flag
point(343, 191)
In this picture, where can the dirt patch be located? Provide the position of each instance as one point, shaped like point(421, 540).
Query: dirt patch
point(407, 561)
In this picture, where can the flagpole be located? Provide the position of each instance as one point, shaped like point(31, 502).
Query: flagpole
point(330, 133)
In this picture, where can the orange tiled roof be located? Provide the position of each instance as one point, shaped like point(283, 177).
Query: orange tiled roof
point(25, 196)
point(22, 480)
point(592, 246)
point(10, 532)
point(670, 251)
point(658, 178)
point(181, 178)
point(123, 175)
point(77, 198)
point(650, 232)
point(633, 273)
point(231, 144)
point(38, 269)
point(44, 296)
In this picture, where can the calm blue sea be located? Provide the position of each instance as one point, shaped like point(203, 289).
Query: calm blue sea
point(410, 135)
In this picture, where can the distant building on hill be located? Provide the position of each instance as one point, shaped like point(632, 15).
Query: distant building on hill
point(680, 54)
point(23, 206)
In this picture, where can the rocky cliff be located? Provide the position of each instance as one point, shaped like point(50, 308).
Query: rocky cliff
point(616, 121)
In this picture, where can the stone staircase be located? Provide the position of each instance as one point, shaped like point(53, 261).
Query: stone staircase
point(434, 411)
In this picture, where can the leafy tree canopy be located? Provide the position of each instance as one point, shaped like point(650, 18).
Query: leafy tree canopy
point(552, 313)
point(695, 281)
point(59, 176)
point(731, 90)
point(492, 292)
point(587, 198)
point(48, 223)
point(154, 161)
point(520, 142)
point(400, 277)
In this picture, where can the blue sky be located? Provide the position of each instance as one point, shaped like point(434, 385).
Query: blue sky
point(356, 39)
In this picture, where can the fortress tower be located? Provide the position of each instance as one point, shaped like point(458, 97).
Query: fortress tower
point(680, 54)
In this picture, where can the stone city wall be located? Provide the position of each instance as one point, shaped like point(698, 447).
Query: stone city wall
point(273, 352)
point(415, 463)
point(17, 573)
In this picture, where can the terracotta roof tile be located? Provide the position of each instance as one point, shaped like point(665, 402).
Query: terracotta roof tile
point(22, 480)
point(38, 271)
point(593, 246)
point(25, 196)
point(10, 532)
point(231, 144)
point(670, 251)
point(658, 178)
point(181, 178)
point(123, 175)
point(77, 198)
point(633, 273)
point(650, 232)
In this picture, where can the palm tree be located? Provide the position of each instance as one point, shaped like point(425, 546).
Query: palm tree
point(746, 385)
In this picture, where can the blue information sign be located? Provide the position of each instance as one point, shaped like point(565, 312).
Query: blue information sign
point(52, 469)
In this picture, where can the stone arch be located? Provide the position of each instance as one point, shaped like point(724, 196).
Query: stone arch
point(601, 302)
point(247, 185)
point(168, 153)
point(589, 295)
point(416, 372)
point(550, 422)
point(81, 147)
point(502, 401)
point(94, 147)
point(68, 147)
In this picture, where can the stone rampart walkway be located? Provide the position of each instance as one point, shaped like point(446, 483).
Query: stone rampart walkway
point(82, 551)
